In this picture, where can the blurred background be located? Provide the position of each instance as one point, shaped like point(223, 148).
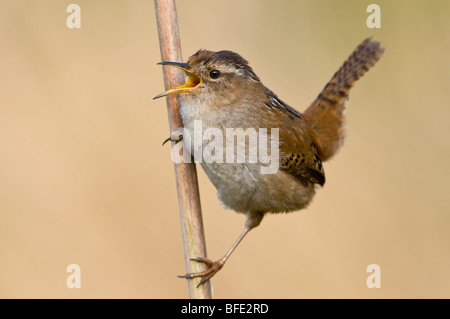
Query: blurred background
point(84, 179)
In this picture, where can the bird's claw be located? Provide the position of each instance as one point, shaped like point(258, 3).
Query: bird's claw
point(176, 136)
point(207, 274)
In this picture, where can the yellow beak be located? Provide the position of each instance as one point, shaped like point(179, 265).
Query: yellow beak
point(192, 82)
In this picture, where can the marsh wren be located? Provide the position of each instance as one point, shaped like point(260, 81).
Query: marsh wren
point(223, 92)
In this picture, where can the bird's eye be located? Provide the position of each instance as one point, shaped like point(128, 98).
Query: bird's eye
point(214, 74)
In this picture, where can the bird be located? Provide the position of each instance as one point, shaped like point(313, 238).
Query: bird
point(222, 91)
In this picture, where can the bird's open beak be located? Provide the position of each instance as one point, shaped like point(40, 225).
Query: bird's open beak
point(192, 82)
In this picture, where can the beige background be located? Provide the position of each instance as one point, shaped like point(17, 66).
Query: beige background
point(84, 179)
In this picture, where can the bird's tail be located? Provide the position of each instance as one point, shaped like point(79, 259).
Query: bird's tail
point(326, 114)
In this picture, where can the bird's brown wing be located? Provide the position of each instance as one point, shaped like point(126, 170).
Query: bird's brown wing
point(298, 154)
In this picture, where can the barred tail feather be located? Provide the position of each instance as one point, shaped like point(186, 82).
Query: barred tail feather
point(326, 114)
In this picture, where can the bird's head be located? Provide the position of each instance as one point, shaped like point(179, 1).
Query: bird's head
point(217, 76)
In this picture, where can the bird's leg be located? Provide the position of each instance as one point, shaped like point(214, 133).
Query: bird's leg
point(252, 221)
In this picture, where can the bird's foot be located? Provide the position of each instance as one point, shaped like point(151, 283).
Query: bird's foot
point(175, 136)
point(213, 268)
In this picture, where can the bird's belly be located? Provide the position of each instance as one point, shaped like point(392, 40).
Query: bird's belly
point(242, 188)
